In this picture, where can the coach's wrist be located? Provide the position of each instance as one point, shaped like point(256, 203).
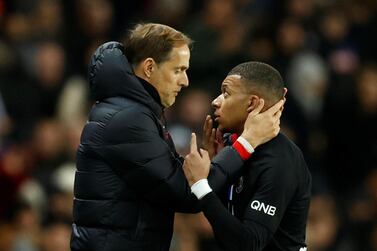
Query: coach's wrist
point(243, 147)
point(201, 188)
point(251, 139)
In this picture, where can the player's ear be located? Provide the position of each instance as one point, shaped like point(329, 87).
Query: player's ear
point(253, 102)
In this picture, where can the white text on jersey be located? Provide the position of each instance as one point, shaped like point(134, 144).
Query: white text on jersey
point(260, 206)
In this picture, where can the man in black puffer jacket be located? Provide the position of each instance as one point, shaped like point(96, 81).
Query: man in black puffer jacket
point(129, 179)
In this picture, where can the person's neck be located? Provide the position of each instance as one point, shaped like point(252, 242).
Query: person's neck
point(239, 130)
point(138, 72)
point(149, 87)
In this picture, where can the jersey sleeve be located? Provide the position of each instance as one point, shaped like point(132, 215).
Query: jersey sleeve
point(226, 168)
point(275, 188)
point(231, 233)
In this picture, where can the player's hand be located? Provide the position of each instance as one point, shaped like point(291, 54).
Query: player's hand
point(262, 127)
point(212, 138)
point(196, 165)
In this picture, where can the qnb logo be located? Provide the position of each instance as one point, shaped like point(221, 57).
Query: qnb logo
point(303, 249)
point(260, 206)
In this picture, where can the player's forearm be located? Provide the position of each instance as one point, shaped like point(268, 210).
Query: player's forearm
point(227, 166)
point(229, 231)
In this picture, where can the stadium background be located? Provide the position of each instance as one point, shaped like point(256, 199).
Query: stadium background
point(326, 51)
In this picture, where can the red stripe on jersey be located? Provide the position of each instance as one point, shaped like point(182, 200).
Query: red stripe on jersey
point(233, 137)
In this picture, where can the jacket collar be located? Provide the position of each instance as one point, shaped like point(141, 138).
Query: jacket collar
point(152, 91)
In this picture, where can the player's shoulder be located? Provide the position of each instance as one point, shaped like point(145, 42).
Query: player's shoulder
point(290, 157)
point(280, 155)
point(282, 140)
point(278, 147)
point(283, 147)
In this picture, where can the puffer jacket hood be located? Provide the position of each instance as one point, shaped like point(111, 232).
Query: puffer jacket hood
point(111, 75)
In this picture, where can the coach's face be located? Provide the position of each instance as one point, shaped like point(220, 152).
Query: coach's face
point(231, 105)
point(170, 76)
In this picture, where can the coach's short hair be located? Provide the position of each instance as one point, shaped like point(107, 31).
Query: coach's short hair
point(152, 40)
point(261, 79)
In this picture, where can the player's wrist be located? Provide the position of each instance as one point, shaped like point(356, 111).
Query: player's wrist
point(243, 147)
point(201, 188)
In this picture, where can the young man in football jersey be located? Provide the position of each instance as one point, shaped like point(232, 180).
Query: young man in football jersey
point(266, 209)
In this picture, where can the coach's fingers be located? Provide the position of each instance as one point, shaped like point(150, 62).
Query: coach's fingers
point(284, 98)
point(285, 91)
point(204, 154)
point(193, 144)
point(276, 107)
point(277, 115)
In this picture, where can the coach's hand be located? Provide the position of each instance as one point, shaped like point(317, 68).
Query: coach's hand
point(196, 165)
point(262, 127)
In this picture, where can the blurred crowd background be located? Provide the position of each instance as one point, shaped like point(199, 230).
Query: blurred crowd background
point(326, 51)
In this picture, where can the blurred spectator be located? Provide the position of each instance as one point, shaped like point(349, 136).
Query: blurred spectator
point(33, 194)
point(72, 107)
point(190, 113)
point(16, 163)
point(367, 89)
point(291, 39)
point(373, 240)
point(301, 9)
point(7, 236)
point(73, 100)
point(218, 34)
point(61, 198)
point(27, 226)
point(93, 26)
point(56, 237)
point(95, 17)
point(49, 18)
point(17, 27)
point(49, 65)
point(308, 79)
point(40, 88)
point(358, 114)
point(2, 9)
point(261, 47)
point(324, 227)
point(49, 149)
point(5, 122)
point(169, 12)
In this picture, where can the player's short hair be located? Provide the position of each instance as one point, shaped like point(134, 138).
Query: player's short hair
point(261, 79)
point(152, 40)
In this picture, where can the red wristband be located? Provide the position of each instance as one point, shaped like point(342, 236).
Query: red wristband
point(241, 150)
point(233, 137)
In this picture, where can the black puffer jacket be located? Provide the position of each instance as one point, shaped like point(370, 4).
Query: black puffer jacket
point(129, 178)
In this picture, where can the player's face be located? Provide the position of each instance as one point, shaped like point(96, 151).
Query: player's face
point(231, 105)
point(169, 77)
